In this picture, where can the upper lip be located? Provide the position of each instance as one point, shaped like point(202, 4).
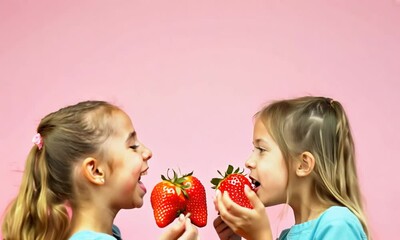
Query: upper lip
point(144, 172)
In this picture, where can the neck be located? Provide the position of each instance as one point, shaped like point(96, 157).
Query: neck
point(305, 204)
point(92, 217)
point(307, 212)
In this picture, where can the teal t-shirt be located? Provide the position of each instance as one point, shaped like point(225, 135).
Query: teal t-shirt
point(333, 224)
point(91, 235)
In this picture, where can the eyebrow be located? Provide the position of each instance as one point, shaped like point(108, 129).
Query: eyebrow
point(258, 140)
point(132, 135)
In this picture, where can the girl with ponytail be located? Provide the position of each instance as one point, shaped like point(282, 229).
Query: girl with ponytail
point(86, 157)
point(304, 157)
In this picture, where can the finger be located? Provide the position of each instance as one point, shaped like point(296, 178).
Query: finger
point(187, 215)
point(225, 206)
point(252, 196)
point(221, 227)
point(217, 221)
point(190, 230)
point(220, 204)
point(226, 234)
point(232, 207)
point(174, 231)
point(216, 199)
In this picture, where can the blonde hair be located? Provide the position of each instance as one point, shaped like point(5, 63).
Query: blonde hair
point(69, 134)
point(320, 126)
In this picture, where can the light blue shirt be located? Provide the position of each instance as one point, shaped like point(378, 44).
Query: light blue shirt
point(334, 224)
point(91, 235)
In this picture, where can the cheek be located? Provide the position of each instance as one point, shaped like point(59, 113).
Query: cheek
point(129, 186)
point(274, 175)
point(133, 174)
point(135, 168)
point(272, 183)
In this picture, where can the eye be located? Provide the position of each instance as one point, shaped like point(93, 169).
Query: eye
point(261, 150)
point(134, 147)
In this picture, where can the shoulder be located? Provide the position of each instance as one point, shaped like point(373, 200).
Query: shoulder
point(333, 224)
point(339, 222)
point(90, 235)
point(338, 215)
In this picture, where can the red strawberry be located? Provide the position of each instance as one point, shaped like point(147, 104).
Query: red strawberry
point(233, 182)
point(167, 201)
point(196, 203)
point(183, 194)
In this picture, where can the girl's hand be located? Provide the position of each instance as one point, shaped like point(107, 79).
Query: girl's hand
point(251, 224)
point(224, 231)
point(183, 229)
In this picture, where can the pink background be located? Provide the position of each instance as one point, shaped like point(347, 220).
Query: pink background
point(192, 73)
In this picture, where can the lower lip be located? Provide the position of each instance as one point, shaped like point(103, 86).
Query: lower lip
point(256, 189)
point(141, 185)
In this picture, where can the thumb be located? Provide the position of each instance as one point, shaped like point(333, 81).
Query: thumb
point(174, 231)
point(252, 196)
point(190, 231)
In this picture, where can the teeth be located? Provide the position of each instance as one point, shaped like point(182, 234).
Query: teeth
point(255, 183)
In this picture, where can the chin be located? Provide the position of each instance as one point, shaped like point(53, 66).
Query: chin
point(138, 204)
point(135, 203)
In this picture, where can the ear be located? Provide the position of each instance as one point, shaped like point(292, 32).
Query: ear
point(92, 171)
point(306, 164)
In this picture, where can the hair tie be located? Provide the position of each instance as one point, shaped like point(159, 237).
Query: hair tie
point(38, 140)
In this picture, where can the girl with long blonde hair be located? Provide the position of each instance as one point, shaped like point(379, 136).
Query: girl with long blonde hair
point(88, 157)
point(303, 156)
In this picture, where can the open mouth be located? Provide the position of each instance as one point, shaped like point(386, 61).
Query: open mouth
point(141, 185)
point(255, 184)
point(143, 173)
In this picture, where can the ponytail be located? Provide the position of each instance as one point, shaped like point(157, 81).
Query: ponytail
point(36, 213)
point(348, 190)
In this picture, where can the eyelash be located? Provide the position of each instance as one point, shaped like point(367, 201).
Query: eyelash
point(135, 147)
point(260, 149)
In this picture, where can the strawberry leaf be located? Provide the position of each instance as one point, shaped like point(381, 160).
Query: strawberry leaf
point(215, 182)
point(230, 169)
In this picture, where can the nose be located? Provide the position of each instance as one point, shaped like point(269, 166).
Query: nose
point(250, 163)
point(146, 153)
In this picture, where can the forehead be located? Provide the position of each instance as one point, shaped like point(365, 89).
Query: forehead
point(259, 127)
point(261, 133)
point(121, 123)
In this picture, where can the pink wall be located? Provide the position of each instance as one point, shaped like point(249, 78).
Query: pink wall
point(192, 74)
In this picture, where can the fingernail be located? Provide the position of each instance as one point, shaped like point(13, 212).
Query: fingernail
point(217, 194)
point(225, 193)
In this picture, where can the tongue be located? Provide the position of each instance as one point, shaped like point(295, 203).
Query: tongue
point(141, 185)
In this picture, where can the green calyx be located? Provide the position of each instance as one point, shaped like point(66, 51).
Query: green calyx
point(229, 171)
point(178, 181)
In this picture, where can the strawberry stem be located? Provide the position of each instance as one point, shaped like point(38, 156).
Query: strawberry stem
point(230, 170)
point(177, 181)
